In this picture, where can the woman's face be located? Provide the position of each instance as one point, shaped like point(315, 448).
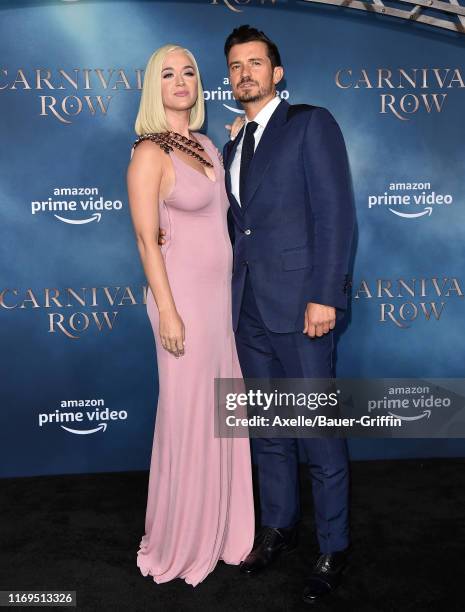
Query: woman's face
point(179, 84)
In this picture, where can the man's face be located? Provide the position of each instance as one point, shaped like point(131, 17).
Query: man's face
point(251, 75)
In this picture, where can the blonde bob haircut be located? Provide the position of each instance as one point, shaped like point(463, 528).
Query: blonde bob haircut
point(151, 116)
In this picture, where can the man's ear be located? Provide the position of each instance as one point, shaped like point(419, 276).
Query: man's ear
point(278, 73)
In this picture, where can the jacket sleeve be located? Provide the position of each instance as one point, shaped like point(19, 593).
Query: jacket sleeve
point(329, 184)
point(230, 220)
point(225, 153)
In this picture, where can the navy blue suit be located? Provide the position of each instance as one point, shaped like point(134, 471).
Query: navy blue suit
point(292, 239)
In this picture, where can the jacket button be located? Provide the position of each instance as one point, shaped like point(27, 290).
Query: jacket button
point(247, 232)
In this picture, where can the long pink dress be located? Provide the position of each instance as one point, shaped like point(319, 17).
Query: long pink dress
point(200, 504)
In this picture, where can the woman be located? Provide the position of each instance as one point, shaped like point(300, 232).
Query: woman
point(200, 504)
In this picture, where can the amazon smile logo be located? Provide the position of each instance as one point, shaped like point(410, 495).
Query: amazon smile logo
point(417, 417)
point(64, 204)
point(94, 418)
point(410, 200)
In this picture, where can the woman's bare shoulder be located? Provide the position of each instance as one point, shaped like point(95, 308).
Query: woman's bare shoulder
point(147, 150)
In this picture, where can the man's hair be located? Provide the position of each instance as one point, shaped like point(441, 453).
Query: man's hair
point(245, 34)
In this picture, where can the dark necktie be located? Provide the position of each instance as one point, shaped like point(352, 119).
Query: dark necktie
point(248, 147)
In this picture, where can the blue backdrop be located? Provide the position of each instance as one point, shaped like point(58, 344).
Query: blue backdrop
point(79, 381)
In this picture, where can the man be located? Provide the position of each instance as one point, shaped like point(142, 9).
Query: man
point(291, 220)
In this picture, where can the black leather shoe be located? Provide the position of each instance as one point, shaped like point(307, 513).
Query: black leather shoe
point(268, 544)
point(326, 575)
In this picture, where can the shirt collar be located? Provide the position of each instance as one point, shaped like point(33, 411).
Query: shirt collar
point(264, 115)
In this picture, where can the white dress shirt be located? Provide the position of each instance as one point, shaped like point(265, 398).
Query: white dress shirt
point(262, 119)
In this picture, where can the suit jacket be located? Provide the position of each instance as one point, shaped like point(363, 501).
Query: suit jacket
point(294, 229)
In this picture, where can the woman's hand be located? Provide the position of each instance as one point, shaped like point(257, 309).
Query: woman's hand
point(236, 127)
point(172, 332)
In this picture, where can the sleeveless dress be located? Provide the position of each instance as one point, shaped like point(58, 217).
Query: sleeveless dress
point(200, 502)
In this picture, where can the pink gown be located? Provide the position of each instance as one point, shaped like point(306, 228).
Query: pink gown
point(200, 504)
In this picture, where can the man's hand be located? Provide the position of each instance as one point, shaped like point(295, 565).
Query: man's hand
point(319, 319)
point(161, 236)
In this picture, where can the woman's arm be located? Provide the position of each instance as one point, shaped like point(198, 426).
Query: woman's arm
point(144, 179)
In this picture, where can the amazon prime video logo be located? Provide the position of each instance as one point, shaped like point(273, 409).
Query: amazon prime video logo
point(82, 417)
point(426, 408)
point(410, 200)
point(75, 205)
point(223, 93)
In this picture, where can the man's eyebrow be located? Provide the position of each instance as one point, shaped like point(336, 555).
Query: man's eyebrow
point(250, 59)
point(169, 67)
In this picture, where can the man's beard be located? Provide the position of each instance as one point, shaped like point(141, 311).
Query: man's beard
point(248, 96)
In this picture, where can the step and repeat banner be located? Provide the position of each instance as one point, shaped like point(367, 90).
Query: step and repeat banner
point(79, 375)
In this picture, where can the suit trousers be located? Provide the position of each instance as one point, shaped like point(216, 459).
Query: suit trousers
point(266, 354)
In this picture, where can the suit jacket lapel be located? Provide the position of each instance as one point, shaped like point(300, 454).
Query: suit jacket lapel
point(231, 153)
point(262, 156)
